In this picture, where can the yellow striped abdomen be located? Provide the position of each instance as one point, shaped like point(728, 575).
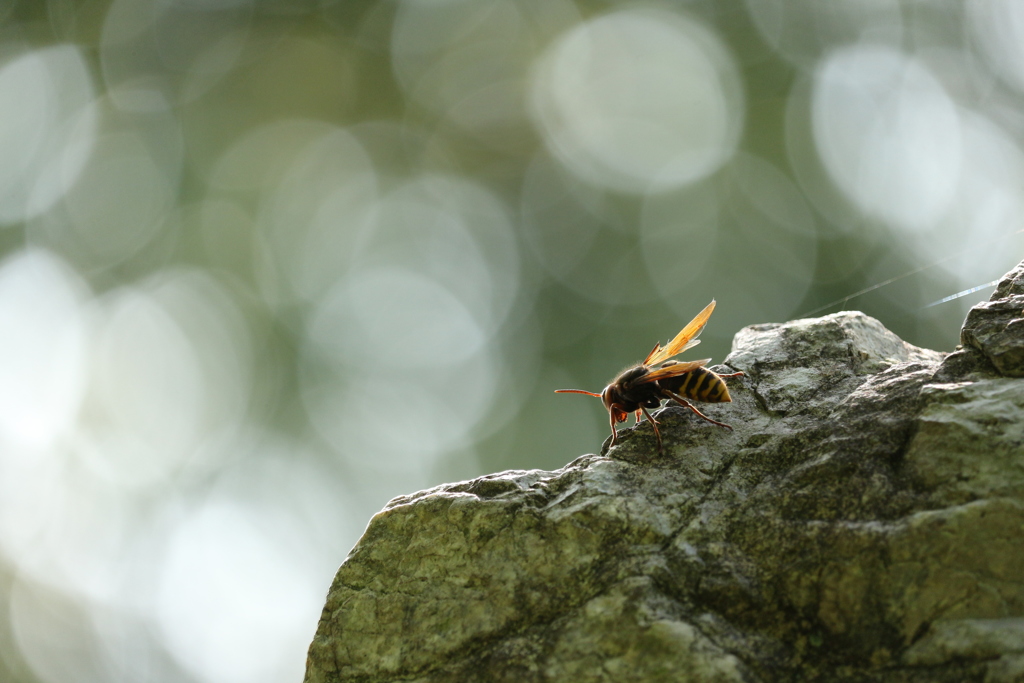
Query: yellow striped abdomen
point(699, 384)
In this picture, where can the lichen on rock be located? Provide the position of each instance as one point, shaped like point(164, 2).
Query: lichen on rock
point(864, 521)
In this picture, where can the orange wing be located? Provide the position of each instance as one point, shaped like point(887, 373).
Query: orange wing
point(686, 338)
point(657, 347)
point(673, 370)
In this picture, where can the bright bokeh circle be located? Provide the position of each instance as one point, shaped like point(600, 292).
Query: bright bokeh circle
point(639, 100)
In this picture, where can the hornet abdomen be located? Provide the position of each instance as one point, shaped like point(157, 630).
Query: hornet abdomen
point(699, 384)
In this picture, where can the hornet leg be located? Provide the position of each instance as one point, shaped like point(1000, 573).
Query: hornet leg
point(655, 425)
point(686, 404)
point(615, 434)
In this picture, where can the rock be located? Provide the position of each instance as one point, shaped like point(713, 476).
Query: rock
point(968, 638)
point(864, 521)
point(996, 328)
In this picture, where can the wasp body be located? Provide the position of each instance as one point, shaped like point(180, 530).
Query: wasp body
point(644, 386)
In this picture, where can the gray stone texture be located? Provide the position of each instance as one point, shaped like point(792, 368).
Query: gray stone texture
point(864, 522)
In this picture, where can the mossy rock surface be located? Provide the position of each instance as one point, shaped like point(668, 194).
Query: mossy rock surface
point(864, 521)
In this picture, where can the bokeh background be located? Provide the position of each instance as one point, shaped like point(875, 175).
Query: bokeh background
point(265, 264)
